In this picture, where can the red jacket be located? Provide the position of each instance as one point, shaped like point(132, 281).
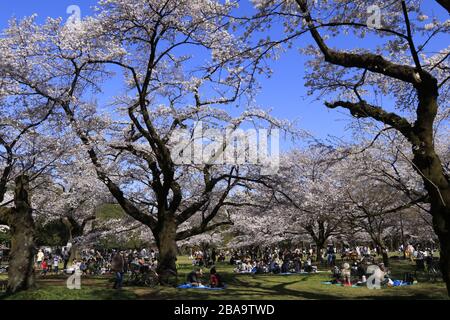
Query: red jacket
point(215, 282)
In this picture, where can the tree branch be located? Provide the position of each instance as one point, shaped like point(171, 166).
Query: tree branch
point(369, 61)
point(198, 230)
point(364, 110)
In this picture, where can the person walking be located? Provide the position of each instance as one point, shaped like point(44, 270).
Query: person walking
point(117, 265)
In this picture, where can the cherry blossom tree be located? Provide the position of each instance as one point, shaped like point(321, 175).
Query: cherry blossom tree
point(302, 202)
point(165, 90)
point(72, 195)
point(407, 64)
point(373, 205)
point(312, 183)
point(26, 152)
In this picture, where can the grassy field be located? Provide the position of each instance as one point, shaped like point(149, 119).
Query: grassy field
point(242, 287)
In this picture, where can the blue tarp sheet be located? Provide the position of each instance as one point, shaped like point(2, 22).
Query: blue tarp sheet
point(190, 286)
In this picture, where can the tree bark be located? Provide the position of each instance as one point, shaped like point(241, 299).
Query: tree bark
point(385, 256)
point(440, 198)
point(444, 240)
point(402, 229)
point(23, 249)
point(319, 246)
point(166, 241)
point(429, 166)
point(319, 236)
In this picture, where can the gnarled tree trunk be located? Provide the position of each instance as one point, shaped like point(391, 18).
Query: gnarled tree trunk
point(430, 168)
point(165, 235)
point(22, 228)
point(385, 256)
point(420, 134)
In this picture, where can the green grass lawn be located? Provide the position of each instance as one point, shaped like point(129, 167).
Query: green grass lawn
point(239, 286)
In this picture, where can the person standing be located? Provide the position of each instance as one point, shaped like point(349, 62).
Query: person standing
point(40, 258)
point(214, 256)
point(117, 265)
point(410, 252)
point(65, 257)
point(44, 267)
point(346, 275)
point(56, 264)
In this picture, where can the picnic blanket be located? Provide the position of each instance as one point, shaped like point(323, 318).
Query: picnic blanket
point(190, 286)
point(338, 284)
point(401, 283)
point(287, 273)
point(395, 283)
point(297, 273)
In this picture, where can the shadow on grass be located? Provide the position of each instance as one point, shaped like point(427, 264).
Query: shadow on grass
point(239, 286)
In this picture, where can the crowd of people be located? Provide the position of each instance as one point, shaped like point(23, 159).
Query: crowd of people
point(206, 258)
point(48, 261)
point(363, 265)
point(95, 262)
point(354, 268)
point(274, 261)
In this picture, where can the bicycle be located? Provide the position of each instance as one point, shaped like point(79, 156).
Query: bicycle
point(430, 270)
point(433, 271)
point(147, 277)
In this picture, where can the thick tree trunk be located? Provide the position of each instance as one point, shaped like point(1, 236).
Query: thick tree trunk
point(440, 210)
point(385, 256)
point(167, 246)
point(430, 168)
point(403, 236)
point(381, 250)
point(23, 249)
point(441, 223)
point(74, 253)
point(319, 248)
point(445, 260)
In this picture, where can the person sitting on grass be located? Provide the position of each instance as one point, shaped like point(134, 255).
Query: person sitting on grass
point(336, 275)
point(385, 273)
point(285, 266)
point(254, 267)
point(308, 265)
point(215, 280)
point(242, 267)
point(297, 264)
point(260, 267)
point(194, 277)
point(276, 268)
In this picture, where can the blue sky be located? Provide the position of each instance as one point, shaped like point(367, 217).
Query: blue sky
point(284, 92)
